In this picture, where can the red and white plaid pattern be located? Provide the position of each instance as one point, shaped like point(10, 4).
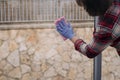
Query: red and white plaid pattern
point(107, 33)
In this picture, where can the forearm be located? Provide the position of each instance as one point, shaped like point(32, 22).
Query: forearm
point(74, 39)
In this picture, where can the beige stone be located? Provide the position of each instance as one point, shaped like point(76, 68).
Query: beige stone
point(64, 52)
point(51, 53)
point(0, 72)
point(49, 57)
point(22, 47)
point(85, 34)
point(13, 79)
point(112, 77)
point(66, 57)
point(62, 73)
point(51, 61)
point(116, 61)
point(88, 73)
point(21, 36)
point(50, 72)
point(1, 42)
point(26, 76)
point(58, 78)
point(39, 55)
point(62, 48)
point(58, 67)
point(13, 34)
point(3, 77)
point(105, 70)
point(73, 65)
point(72, 74)
point(32, 39)
point(25, 69)
point(4, 50)
point(76, 57)
point(107, 59)
point(15, 73)
point(7, 68)
point(65, 66)
point(19, 39)
point(80, 76)
point(25, 59)
point(14, 59)
point(57, 59)
point(80, 32)
point(44, 66)
point(117, 71)
point(3, 64)
point(13, 46)
point(36, 75)
point(49, 79)
point(35, 67)
point(31, 50)
point(4, 35)
point(109, 77)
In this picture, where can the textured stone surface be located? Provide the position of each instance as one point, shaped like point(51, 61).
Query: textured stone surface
point(26, 77)
point(7, 68)
point(25, 69)
point(13, 34)
point(14, 58)
point(50, 72)
point(15, 73)
point(4, 50)
point(72, 74)
point(41, 54)
point(25, 59)
point(13, 46)
point(3, 64)
point(4, 35)
point(36, 75)
point(3, 78)
point(0, 72)
point(22, 47)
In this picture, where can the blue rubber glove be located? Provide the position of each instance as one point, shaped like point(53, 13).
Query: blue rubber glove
point(65, 29)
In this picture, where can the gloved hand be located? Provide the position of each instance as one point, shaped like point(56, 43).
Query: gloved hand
point(64, 28)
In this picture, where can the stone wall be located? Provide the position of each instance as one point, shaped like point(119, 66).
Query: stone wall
point(41, 54)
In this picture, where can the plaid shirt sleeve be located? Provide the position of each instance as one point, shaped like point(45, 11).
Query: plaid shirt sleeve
point(107, 31)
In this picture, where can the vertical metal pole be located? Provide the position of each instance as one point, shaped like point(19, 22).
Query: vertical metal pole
point(4, 5)
point(97, 61)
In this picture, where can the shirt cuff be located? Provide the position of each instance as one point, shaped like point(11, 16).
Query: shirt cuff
point(77, 44)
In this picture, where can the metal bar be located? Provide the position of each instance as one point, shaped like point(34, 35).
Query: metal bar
point(16, 11)
point(97, 61)
point(4, 10)
point(38, 9)
point(23, 10)
point(26, 9)
point(47, 9)
point(70, 13)
point(19, 14)
point(30, 10)
point(1, 12)
point(8, 14)
point(57, 8)
point(12, 12)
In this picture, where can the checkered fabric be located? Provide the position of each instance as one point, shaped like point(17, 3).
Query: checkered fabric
point(107, 33)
